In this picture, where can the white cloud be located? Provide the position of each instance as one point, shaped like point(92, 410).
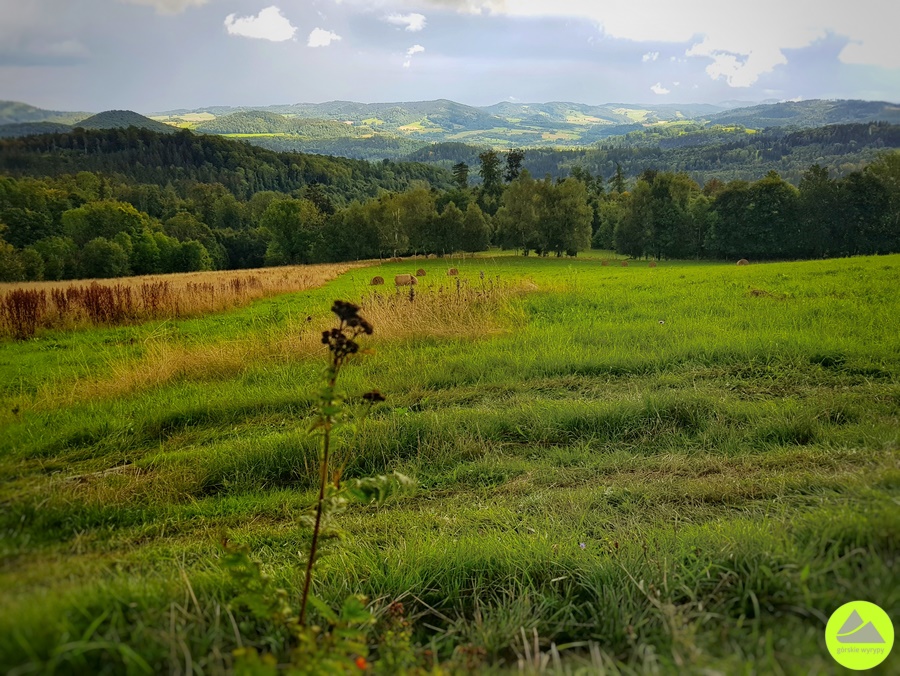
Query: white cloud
point(269, 24)
point(659, 89)
point(410, 53)
point(320, 37)
point(412, 22)
point(740, 46)
point(650, 56)
point(167, 6)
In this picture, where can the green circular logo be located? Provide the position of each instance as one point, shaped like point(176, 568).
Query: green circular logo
point(859, 635)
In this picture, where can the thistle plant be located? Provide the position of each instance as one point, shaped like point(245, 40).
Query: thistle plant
point(341, 647)
point(332, 412)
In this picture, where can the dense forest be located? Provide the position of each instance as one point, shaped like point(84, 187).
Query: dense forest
point(119, 202)
point(180, 159)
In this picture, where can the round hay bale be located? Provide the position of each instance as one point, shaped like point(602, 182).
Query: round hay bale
point(405, 280)
point(377, 281)
point(743, 261)
point(624, 264)
point(420, 272)
point(604, 262)
point(652, 264)
point(452, 272)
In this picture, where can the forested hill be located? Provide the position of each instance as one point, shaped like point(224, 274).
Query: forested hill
point(261, 122)
point(812, 113)
point(144, 156)
point(14, 112)
point(122, 119)
point(702, 153)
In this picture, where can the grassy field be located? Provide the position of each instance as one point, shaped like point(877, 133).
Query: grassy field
point(681, 469)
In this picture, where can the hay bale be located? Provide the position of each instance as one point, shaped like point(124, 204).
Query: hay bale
point(604, 262)
point(432, 255)
point(624, 264)
point(652, 264)
point(452, 272)
point(420, 272)
point(377, 281)
point(405, 280)
point(743, 261)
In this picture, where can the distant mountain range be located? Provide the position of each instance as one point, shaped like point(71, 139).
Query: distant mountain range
point(378, 130)
point(111, 119)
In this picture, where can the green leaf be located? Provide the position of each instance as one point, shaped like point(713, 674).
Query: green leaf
point(354, 611)
point(324, 609)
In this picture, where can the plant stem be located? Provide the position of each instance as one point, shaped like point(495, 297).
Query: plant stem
point(323, 477)
point(323, 473)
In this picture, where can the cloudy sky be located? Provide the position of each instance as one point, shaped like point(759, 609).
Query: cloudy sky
point(155, 55)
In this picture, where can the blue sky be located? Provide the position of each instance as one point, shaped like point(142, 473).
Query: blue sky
point(154, 55)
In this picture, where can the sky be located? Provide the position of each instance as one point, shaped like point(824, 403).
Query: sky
point(160, 55)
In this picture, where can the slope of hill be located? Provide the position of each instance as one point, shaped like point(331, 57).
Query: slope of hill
point(30, 128)
point(703, 153)
point(122, 119)
point(264, 122)
point(14, 112)
point(248, 122)
point(183, 158)
point(812, 113)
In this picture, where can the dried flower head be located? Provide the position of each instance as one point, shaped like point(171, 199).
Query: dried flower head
point(341, 340)
point(345, 311)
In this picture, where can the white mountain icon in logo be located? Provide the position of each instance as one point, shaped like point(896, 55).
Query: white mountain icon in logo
point(855, 630)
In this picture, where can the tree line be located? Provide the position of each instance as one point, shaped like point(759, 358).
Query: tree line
point(668, 215)
point(93, 224)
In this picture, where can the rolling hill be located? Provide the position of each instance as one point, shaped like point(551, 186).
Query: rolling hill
point(264, 122)
point(14, 112)
point(111, 119)
point(182, 158)
point(812, 113)
point(511, 124)
point(122, 119)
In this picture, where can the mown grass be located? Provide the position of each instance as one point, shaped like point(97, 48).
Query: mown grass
point(631, 469)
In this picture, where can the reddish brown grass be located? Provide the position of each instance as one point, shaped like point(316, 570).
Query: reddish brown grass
point(26, 308)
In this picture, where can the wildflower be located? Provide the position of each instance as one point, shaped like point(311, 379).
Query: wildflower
point(361, 663)
point(582, 545)
point(345, 311)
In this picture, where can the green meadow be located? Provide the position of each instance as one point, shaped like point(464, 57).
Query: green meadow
point(680, 469)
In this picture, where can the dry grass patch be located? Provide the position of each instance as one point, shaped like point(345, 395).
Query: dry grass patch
point(450, 310)
point(28, 307)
